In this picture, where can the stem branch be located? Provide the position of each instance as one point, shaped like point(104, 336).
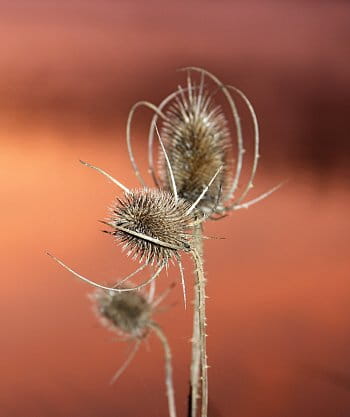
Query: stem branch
point(168, 368)
point(199, 350)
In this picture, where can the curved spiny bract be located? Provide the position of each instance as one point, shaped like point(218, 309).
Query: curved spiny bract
point(197, 142)
point(162, 222)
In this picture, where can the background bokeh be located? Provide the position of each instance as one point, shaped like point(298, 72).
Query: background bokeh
point(279, 283)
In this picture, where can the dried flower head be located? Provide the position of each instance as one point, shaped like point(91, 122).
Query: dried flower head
point(197, 141)
point(153, 224)
point(128, 312)
point(144, 217)
point(195, 170)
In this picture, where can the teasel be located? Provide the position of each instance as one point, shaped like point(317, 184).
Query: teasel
point(197, 141)
point(181, 199)
point(130, 315)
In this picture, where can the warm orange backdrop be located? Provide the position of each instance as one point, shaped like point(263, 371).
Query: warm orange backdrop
point(279, 284)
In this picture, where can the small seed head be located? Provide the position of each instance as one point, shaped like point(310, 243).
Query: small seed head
point(156, 214)
point(128, 312)
point(197, 142)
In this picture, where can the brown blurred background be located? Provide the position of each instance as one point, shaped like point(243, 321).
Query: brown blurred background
point(279, 284)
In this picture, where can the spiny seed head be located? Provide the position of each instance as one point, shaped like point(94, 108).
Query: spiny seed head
point(197, 142)
point(156, 214)
point(128, 312)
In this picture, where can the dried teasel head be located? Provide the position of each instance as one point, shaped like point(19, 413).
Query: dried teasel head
point(197, 141)
point(127, 312)
point(154, 225)
point(151, 225)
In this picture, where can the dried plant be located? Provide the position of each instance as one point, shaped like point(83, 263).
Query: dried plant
point(129, 314)
point(197, 142)
point(154, 226)
point(196, 178)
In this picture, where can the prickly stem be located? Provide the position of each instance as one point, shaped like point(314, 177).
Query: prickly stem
point(200, 290)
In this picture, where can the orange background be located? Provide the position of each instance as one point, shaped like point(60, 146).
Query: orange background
point(279, 284)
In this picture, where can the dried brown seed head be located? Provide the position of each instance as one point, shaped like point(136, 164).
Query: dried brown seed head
point(163, 221)
point(197, 142)
point(129, 312)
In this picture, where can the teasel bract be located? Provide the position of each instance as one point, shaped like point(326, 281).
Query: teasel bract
point(130, 315)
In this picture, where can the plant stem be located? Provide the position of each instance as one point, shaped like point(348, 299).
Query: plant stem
point(126, 363)
point(199, 350)
point(168, 368)
point(195, 364)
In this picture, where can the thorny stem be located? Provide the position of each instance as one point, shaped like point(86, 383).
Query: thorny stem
point(199, 346)
point(168, 368)
point(195, 362)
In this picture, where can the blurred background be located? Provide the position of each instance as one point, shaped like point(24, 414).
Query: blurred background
point(279, 283)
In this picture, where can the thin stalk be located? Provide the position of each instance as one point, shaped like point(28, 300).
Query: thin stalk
point(168, 368)
point(195, 362)
point(126, 363)
point(197, 254)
